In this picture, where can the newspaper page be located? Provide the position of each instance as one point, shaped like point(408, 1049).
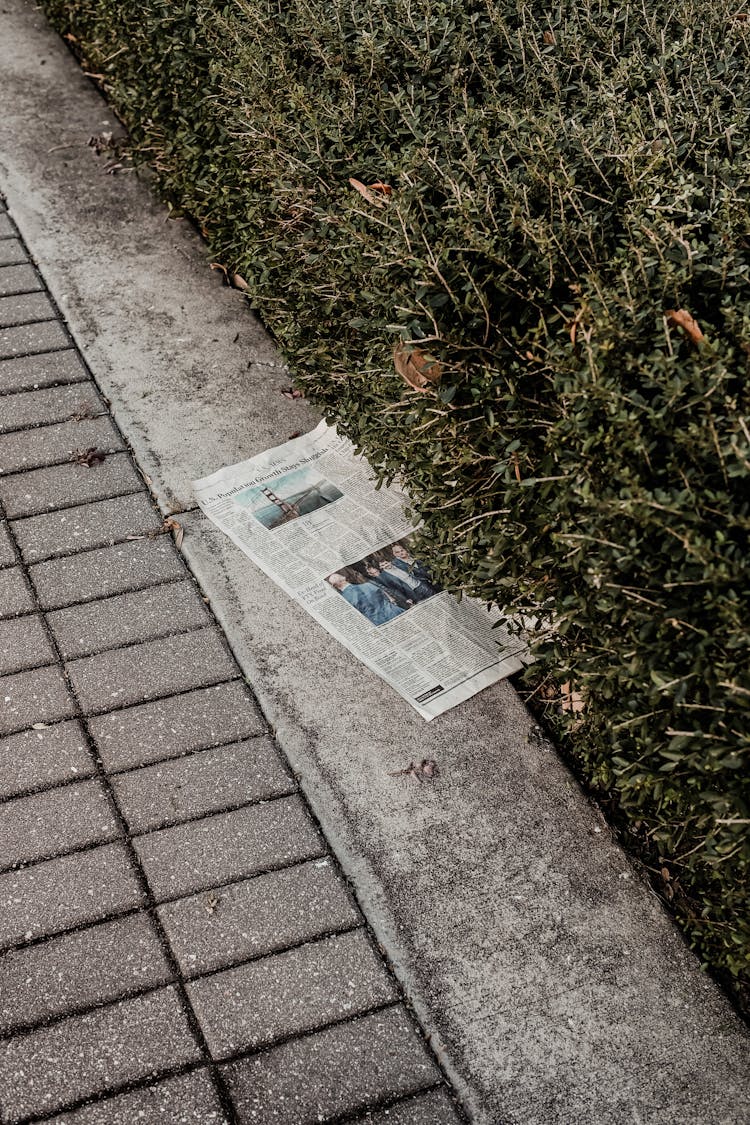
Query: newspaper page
point(309, 515)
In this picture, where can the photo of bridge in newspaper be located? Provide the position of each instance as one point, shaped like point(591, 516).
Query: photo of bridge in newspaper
point(309, 515)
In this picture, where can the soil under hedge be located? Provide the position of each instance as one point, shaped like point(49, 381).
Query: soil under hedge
point(569, 189)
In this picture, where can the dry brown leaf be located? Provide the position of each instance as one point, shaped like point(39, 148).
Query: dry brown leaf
point(365, 192)
point(549, 38)
point(238, 281)
point(83, 411)
point(221, 268)
point(415, 367)
point(100, 142)
point(88, 457)
point(382, 189)
point(571, 700)
point(171, 524)
point(681, 318)
point(427, 770)
point(291, 392)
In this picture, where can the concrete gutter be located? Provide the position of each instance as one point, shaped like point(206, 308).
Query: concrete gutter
point(554, 985)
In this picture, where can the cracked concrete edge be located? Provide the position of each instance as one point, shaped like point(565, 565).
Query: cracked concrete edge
point(549, 976)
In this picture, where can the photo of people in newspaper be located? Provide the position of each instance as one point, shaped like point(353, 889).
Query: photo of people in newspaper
point(293, 495)
point(384, 584)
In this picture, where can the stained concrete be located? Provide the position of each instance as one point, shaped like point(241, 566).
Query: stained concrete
point(554, 986)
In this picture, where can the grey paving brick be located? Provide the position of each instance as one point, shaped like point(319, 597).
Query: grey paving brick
point(207, 782)
point(48, 405)
point(29, 373)
point(88, 526)
point(59, 820)
point(142, 616)
point(257, 916)
point(226, 847)
point(11, 251)
point(15, 595)
point(432, 1108)
point(7, 554)
point(84, 1055)
point(145, 671)
point(28, 339)
point(335, 1071)
point(40, 490)
point(253, 1005)
point(24, 644)
point(52, 445)
point(38, 758)
point(62, 893)
point(7, 228)
point(25, 309)
point(106, 571)
point(76, 971)
point(18, 279)
point(188, 1099)
point(33, 697)
point(170, 727)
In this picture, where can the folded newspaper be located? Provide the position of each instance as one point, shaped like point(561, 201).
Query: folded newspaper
point(309, 515)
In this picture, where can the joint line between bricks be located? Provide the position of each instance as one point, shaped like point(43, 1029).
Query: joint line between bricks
point(240, 1055)
point(28, 323)
point(92, 845)
point(186, 1007)
point(41, 939)
point(139, 490)
point(24, 1030)
point(123, 771)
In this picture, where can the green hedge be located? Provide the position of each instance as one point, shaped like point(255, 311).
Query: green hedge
point(561, 179)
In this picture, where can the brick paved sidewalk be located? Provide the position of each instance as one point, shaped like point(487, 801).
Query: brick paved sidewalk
point(178, 944)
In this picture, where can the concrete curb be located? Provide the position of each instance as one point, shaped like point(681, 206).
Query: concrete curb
point(554, 985)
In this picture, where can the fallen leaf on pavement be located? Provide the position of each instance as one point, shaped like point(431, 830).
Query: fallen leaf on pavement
point(172, 525)
point(221, 268)
point(427, 770)
point(291, 392)
point(83, 411)
point(88, 457)
point(239, 282)
point(100, 142)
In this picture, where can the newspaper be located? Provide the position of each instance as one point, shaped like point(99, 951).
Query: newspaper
point(309, 515)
